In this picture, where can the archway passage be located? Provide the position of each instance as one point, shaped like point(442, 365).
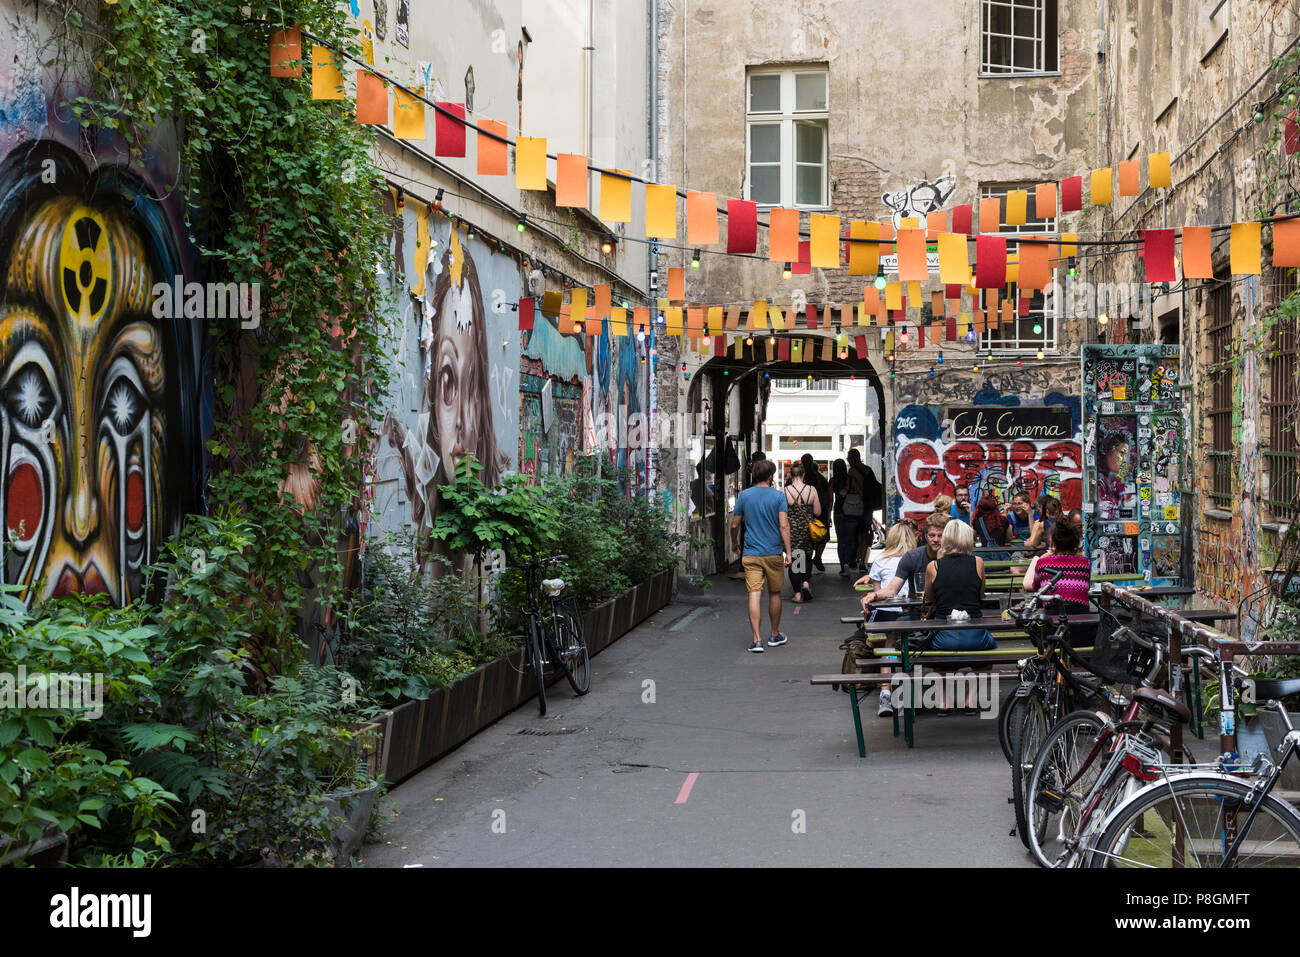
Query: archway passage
point(825, 406)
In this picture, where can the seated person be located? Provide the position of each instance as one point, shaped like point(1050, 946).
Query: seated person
point(1051, 511)
point(1020, 519)
point(1065, 556)
point(955, 582)
point(898, 542)
point(988, 521)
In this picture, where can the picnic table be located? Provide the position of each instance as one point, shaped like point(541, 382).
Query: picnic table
point(903, 660)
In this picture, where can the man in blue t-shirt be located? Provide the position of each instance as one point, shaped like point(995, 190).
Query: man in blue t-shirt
point(762, 510)
point(961, 504)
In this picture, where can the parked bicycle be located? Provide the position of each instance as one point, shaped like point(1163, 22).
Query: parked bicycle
point(553, 636)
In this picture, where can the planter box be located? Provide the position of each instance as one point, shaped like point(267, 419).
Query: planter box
point(417, 733)
point(354, 808)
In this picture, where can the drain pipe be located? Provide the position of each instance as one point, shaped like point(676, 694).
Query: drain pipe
point(651, 406)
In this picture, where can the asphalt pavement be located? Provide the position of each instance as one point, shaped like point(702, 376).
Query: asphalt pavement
point(691, 751)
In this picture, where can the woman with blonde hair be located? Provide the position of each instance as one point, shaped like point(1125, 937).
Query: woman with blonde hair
point(955, 583)
point(899, 540)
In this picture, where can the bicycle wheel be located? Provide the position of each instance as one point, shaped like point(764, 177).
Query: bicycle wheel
point(573, 651)
point(1030, 732)
point(539, 665)
point(1010, 712)
point(1190, 821)
point(1054, 807)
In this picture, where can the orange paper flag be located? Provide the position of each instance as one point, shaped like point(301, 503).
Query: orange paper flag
point(571, 180)
point(783, 236)
point(1129, 178)
point(954, 268)
point(676, 283)
point(935, 223)
point(1017, 207)
point(493, 154)
point(1045, 201)
point(326, 74)
point(1034, 271)
point(1197, 253)
point(936, 303)
point(660, 211)
point(372, 99)
point(286, 52)
point(1099, 192)
point(530, 162)
point(616, 197)
point(695, 321)
point(1158, 170)
point(990, 215)
point(408, 116)
point(1244, 249)
point(600, 300)
point(702, 219)
point(825, 246)
point(641, 318)
point(733, 317)
point(1286, 243)
point(911, 255)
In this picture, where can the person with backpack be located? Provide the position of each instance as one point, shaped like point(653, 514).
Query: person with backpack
point(850, 506)
point(812, 475)
point(803, 506)
point(873, 501)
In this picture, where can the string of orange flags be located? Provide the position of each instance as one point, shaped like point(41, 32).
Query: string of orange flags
point(918, 251)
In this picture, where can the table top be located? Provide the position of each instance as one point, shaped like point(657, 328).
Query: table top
point(996, 624)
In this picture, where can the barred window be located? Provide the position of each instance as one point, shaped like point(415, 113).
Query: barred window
point(1283, 455)
point(1018, 36)
point(1222, 448)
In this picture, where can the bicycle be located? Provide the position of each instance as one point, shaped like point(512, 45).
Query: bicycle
point(553, 632)
point(1222, 816)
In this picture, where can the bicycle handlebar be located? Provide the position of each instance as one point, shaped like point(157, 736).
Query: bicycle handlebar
point(1026, 607)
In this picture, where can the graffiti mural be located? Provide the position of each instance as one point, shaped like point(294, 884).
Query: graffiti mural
point(456, 384)
point(99, 421)
point(933, 456)
point(1133, 445)
point(924, 197)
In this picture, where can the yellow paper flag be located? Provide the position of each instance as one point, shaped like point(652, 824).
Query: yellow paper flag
point(660, 211)
point(893, 295)
point(618, 321)
point(953, 265)
point(326, 74)
point(421, 260)
point(758, 315)
point(578, 310)
point(776, 316)
point(1069, 245)
point(530, 162)
point(1244, 247)
point(1099, 194)
point(714, 321)
point(1017, 206)
point(824, 249)
point(914, 293)
point(408, 116)
point(1158, 170)
point(864, 258)
point(616, 197)
point(673, 320)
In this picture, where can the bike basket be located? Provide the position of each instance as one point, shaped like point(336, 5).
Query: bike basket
point(1117, 658)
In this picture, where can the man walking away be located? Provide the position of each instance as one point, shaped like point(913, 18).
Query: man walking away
point(762, 510)
point(873, 498)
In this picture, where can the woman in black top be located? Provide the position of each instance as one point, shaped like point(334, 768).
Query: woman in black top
point(844, 483)
point(955, 582)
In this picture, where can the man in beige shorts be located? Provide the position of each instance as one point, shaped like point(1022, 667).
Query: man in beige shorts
point(762, 510)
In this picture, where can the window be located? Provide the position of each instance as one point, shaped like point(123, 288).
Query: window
point(786, 137)
point(1221, 452)
point(1019, 336)
point(806, 385)
point(1017, 36)
point(1283, 455)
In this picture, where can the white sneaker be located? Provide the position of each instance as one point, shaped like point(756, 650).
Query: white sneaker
point(886, 708)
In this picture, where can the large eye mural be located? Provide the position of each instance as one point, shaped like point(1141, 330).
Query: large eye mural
point(97, 431)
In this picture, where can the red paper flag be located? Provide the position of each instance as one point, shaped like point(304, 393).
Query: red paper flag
point(1071, 194)
point(448, 130)
point(719, 345)
point(1290, 133)
point(1158, 251)
point(372, 98)
point(860, 346)
point(990, 261)
point(1024, 302)
point(961, 219)
point(952, 291)
point(804, 265)
point(810, 314)
point(742, 226)
point(783, 349)
point(526, 313)
point(920, 337)
point(286, 48)
point(950, 332)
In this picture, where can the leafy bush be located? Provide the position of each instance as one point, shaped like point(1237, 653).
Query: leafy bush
point(518, 519)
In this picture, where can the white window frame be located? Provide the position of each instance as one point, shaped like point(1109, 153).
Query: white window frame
point(787, 116)
point(1039, 66)
point(992, 340)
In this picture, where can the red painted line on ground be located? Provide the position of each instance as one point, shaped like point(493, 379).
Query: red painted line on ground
point(685, 792)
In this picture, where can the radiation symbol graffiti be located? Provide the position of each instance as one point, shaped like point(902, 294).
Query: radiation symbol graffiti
point(85, 265)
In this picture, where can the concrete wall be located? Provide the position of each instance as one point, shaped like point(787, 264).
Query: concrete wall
point(1168, 91)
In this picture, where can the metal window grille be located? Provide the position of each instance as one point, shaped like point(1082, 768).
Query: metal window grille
point(1283, 455)
point(807, 385)
point(1019, 337)
point(1222, 449)
point(1018, 36)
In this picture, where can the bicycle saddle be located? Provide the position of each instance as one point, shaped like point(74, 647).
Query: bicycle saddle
point(1269, 689)
point(1164, 702)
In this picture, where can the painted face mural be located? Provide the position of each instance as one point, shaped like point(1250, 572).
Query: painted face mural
point(88, 451)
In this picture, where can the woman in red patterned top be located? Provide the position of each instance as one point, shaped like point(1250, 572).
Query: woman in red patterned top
point(1064, 556)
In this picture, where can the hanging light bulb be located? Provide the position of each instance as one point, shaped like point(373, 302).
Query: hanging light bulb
point(785, 271)
point(767, 375)
point(844, 353)
point(1102, 318)
point(519, 226)
point(931, 372)
point(903, 337)
point(606, 247)
point(1038, 328)
point(1040, 353)
point(1019, 362)
point(880, 281)
point(975, 367)
point(939, 359)
point(640, 337)
point(852, 376)
point(970, 335)
point(749, 340)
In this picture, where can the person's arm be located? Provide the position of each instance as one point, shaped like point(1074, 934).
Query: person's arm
point(816, 503)
point(931, 570)
point(785, 534)
point(1029, 574)
point(1035, 539)
point(736, 522)
point(979, 567)
point(885, 591)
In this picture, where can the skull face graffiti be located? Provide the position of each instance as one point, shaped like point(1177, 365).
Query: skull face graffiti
point(83, 421)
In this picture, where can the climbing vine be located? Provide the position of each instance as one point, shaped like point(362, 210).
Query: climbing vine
point(279, 190)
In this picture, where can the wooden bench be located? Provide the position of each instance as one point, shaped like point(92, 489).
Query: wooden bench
point(902, 659)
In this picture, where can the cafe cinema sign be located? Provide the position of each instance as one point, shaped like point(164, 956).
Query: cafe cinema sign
point(1010, 424)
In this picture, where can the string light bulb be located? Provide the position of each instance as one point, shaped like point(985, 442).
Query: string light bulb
point(880, 281)
point(785, 271)
point(749, 340)
point(1038, 328)
point(607, 247)
point(903, 338)
point(519, 226)
point(1102, 318)
point(695, 259)
point(970, 335)
point(1040, 354)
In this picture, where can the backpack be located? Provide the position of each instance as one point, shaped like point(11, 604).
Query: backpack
point(855, 647)
point(854, 504)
